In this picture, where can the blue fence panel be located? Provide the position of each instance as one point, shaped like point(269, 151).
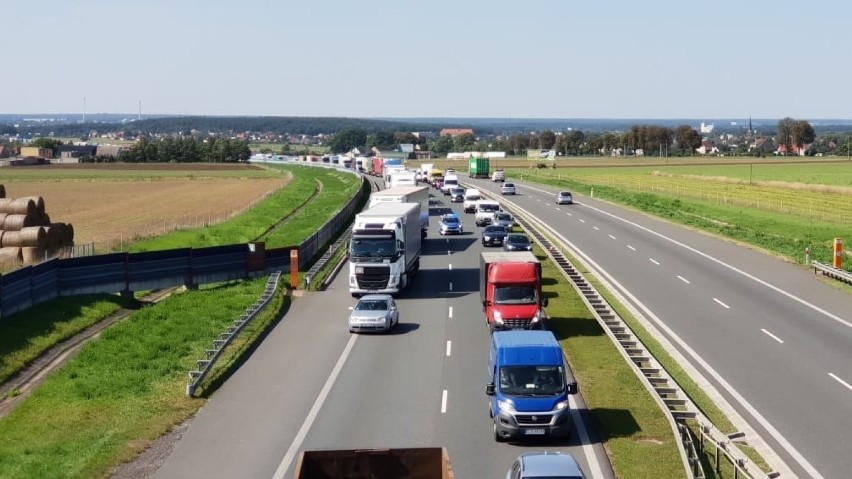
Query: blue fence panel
point(15, 291)
point(93, 274)
point(158, 269)
point(219, 263)
point(45, 281)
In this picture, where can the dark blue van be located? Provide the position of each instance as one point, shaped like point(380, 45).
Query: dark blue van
point(528, 385)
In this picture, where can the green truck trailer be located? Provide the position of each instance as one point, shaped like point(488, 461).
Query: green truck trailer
point(479, 167)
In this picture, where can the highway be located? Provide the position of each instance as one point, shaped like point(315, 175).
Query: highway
point(775, 342)
point(312, 385)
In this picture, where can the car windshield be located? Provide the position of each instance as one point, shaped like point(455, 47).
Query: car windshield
point(531, 380)
point(514, 295)
point(518, 239)
point(487, 207)
point(451, 221)
point(372, 305)
point(504, 216)
point(509, 185)
point(565, 193)
point(458, 191)
point(495, 229)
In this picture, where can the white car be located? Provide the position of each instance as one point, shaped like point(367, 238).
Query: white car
point(374, 312)
point(507, 189)
point(564, 198)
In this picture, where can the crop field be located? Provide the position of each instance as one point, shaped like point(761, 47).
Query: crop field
point(112, 204)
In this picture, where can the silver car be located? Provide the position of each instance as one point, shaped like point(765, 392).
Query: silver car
point(503, 219)
point(373, 312)
point(507, 189)
point(564, 198)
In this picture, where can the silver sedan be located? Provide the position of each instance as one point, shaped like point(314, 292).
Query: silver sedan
point(373, 312)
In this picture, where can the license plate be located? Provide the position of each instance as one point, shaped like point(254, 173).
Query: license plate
point(534, 432)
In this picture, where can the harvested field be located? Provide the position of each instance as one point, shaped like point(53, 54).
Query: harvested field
point(107, 212)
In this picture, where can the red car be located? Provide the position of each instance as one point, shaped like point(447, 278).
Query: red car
point(438, 184)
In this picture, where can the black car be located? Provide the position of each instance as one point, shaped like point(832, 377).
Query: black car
point(494, 235)
point(517, 242)
point(457, 195)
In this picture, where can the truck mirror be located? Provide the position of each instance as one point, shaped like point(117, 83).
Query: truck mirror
point(489, 389)
point(572, 388)
point(544, 302)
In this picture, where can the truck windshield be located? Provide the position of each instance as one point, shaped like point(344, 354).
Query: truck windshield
point(373, 248)
point(514, 295)
point(487, 207)
point(531, 380)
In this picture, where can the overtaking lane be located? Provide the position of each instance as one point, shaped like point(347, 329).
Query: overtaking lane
point(737, 347)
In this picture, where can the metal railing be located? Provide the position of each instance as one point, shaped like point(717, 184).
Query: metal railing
point(832, 272)
point(205, 365)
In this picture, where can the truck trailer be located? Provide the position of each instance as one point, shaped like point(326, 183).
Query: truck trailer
point(400, 463)
point(406, 194)
point(478, 167)
point(510, 290)
point(384, 252)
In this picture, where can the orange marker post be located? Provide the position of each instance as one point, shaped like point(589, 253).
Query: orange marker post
point(838, 253)
point(294, 268)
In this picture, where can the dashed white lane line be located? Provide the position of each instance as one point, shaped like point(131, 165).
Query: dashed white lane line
point(721, 303)
point(557, 208)
point(449, 347)
point(683, 279)
point(444, 402)
point(451, 312)
point(451, 286)
point(631, 248)
point(451, 266)
point(654, 261)
point(596, 228)
point(569, 214)
point(781, 341)
point(538, 199)
point(581, 220)
point(611, 236)
point(834, 376)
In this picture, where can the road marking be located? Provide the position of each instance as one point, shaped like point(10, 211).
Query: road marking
point(451, 312)
point(834, 376)
point(312, 415)
point(683, 279)
point(444, 402)
point(611, 236)
point(451, 285)
point(449, 252)
point(581, 220)
point(772, 336)
point(557, 208)
point(588, 450)
point(569, 214)
point(449, 347)
point(596, 228)
point(654, 261)
point(538, 199)
point(721, 303)
point(631, 248)
point(451, 266)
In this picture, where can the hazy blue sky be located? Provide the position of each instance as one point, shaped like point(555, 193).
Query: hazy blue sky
point(436, 58)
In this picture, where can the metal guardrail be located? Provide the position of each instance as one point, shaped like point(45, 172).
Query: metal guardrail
point(656, 379)
point(832, 272)
point(212, 355)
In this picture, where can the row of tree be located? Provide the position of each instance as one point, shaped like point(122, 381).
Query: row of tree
point(186, 150)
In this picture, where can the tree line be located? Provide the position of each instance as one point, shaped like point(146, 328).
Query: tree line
point(186, 150)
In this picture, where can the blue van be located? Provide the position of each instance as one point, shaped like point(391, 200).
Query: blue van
point(528, 385)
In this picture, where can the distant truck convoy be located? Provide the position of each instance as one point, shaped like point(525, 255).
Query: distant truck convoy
point(406, 194)
point(384, 252)
point(478, 167)
point(510, 290)
point(528, 386)
point(408, 463)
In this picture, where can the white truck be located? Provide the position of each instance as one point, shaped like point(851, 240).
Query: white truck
point(451, 180)
point(384, 252)
point(471, 196)
point(485, 210)
point(426, 171)
point(406, 194)
point(402, 178)
point(390, 170)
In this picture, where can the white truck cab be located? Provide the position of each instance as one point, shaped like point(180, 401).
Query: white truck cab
point(471, 196)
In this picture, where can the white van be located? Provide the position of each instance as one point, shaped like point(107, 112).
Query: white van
point(451, 181)
point(471, 196)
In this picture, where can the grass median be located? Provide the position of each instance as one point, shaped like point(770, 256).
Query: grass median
point(126, 389)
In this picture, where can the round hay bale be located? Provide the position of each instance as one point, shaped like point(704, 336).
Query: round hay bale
point(2, 191)
point(3, 219)
point(33, 255)
point(52, 236)
point(69, 234)
point(10, 255)
point(33, 237)
point(23, 206)
point(44, 220)
point(4, 204)
point(18, 222)
point(11, 239)
point(39, 203)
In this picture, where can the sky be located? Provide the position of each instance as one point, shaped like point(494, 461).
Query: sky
point(436, 58)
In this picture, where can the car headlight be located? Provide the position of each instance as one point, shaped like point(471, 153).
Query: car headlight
point(394, 279)
point(561, 405)
point(486, 238)
point(537, 316)
point(506, 405)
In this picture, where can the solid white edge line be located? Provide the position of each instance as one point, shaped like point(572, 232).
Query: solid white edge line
point(834, 376)
point(654, 261)
point(721, 303)
point(772, 336)
point(312, 415)
point(449, 347)
point(585, 443)
point(451, 312)
point(631, 247)
point(683, 279)
point(444, 402)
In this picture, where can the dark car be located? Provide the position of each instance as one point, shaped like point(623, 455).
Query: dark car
point(517, 242)
point(494, 235)
point(457, 195)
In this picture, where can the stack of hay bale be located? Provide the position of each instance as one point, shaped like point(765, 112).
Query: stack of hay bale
point(26, 233)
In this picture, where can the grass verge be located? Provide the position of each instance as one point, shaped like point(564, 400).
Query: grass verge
point(126, 389)
point(636, 432)
point(26, 335)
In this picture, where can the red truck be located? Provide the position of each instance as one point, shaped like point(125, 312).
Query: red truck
point(510, 290)
point(378, 166)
